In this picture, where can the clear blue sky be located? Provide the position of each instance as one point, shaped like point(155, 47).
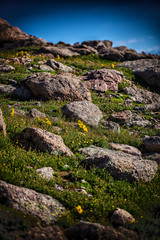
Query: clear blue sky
point(135, 24)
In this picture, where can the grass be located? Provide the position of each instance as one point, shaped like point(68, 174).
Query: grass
point(139, 198)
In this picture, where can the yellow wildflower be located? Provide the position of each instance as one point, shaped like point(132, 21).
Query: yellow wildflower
point(112, 65)
point(48, 122)
point(79, 209)
point(12, 113)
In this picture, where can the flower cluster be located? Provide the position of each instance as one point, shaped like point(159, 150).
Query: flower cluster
point(81, 125)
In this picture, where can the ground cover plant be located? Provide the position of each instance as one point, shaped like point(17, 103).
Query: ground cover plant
point(18, 166)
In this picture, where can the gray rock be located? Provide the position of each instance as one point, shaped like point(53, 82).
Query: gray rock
point(152, 144)
point(147, 69)
point(41, 140)
point(19, 112)
point(30, 202)
point(58, 66)
point(110, 126)
point(55, 50)
point(35, 113)
point(45, 68)
point(63, 86)
point(2, 124)
point(46, 173)
point(142, 95)
point(6, 68)
point(83, 110)
point(149, 107)
point(119, 164)
point(142, 123)
point(121, 217)
point(125, 148)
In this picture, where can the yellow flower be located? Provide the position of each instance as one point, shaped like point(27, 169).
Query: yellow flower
point(112, 65)
point(81, 125)
point(58, 57)
point(79, 209)
point(48, 122)
point(12, 113)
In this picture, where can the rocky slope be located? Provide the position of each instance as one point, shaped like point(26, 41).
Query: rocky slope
point(79, 140)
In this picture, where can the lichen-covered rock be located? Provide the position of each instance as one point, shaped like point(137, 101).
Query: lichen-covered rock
point(83, 110)
point(2, 124)
point(119, 164)
point(121, 217)
point(31, 202)
point(63, 86)
point(41, 140)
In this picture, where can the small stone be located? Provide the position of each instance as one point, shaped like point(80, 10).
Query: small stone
point(46, 173)
point(121, 217)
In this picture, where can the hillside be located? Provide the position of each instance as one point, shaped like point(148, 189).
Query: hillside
point(79, 140)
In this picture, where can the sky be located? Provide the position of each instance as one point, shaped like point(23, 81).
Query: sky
point(135, 24)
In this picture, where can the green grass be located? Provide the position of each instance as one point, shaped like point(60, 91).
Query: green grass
point(139, 198)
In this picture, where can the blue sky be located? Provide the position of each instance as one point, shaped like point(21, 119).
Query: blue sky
point(133, 24)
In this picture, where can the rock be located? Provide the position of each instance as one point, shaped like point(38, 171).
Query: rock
point(2, 124)
point(31, 202)
point(61, 51)
point(121, 217)
point(45, 67)
point(125, 148)
point(107, 78)
point(63, 86)
point(95, 231)
point(6, 68)
point(21, 92)
point(12, 37)
point(110, 126)
point(152, 144)
point(142, 95)
point(96, 85)
point(152, 156)
point(83, 110)
point(120, 165)
point(41, 140)
point(44, 233)
point(21, 60)
point(46, 173)
point(142, 123)
point(19, 112)
point(97, 44)
point(147, 69)
point(149, 107)
point(122, 117)
point(58, 66)
point(35, 113)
